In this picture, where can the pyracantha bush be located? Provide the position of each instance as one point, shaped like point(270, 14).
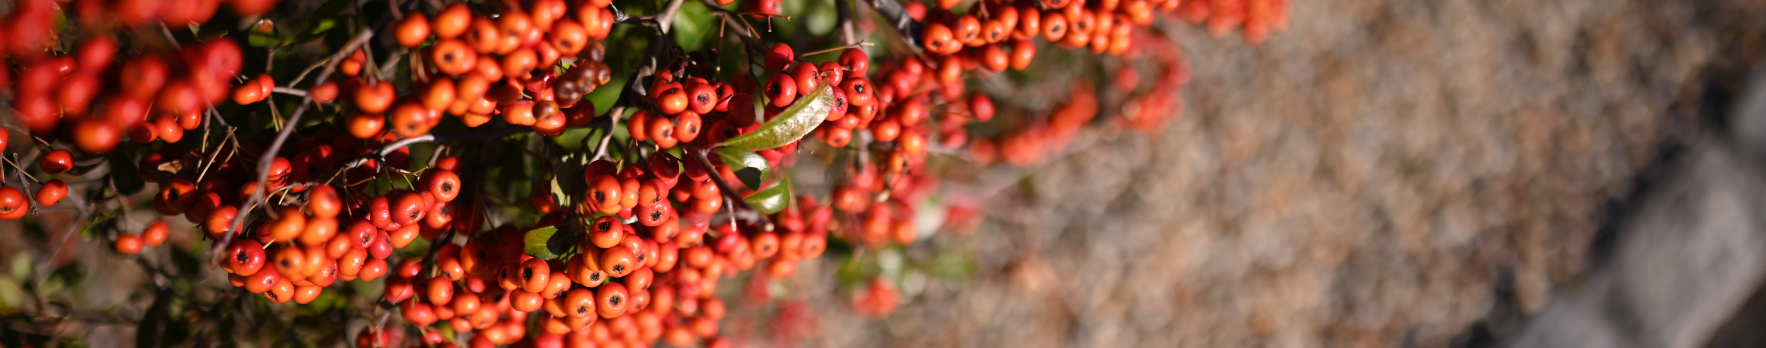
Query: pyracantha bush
point(542, 172)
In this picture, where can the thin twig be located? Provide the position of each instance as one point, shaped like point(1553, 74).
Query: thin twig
point(169, 38)
point(898, 19)
point(698, 155)
point(290, 91)
point(836, 49)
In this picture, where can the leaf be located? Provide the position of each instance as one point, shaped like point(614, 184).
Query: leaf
point(558, 191)
point(691, 25)
point(127, 176)
point(749, 167)
point(792, 124)
point(21, 266)
point(157, 329)
point(172, 166)
point(545, 243)
point(66, 277)
point(10, 295)
point(256, 39)
point(772, 199)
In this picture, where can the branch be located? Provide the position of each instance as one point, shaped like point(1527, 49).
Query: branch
point(401, 143)
point(899, 19)
point(698, 155)
point(667, 17)
point(744, 32)
point(290, 91)
point(843, 15)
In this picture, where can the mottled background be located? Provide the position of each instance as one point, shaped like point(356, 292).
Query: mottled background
point(1384, 173)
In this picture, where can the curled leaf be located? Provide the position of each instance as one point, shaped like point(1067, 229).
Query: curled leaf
point(749, 167)
point(792, 124)
point(771, 200)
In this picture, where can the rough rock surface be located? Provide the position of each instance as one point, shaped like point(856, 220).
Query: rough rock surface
point(1385, 173)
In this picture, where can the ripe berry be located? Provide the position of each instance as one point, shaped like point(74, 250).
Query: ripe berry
point(155, 233)
point(318, 231)
point(937, 37)
point(569, 37)
point(856, 60)
point(993, 58)
point(781, 90)
point(51, 192)
point(966, 28)
point(779, 57)
point(441, 291)
point(1022, 53)
point(56, 161)
point(417, 313)
point(1054, 26)
point(443, 184)
point(128, 244)
point(610, 300)
point(606, 232)
point(453, 57)
point(289, 226)
point(525, 301)
point(290, 261)
point(661, 131)
point(702, 98)
point(995, 30)
point(372, 270)
point(374, 98)
point(618, 262)
point(535, 275)
point(306, 294)
point(452, 21)
point(580, 302)
point(520, 63)
point(412, 30)
point(350, 266)
point(686, 127)
point(245, 257)
point(672, 100)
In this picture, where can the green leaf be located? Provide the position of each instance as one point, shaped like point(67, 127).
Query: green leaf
point(11, 295)
point(691, 25)
point(545, 243)
point(256, 39)
point(21, 266)
point(796, 121)
point(320, 27)
point(749, 167)
point(772, 199)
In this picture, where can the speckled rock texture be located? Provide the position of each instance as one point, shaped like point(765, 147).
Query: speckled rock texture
point(1373, 177)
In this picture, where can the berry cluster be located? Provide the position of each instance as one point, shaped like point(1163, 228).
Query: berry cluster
point(621, 247)
point(477, 66)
